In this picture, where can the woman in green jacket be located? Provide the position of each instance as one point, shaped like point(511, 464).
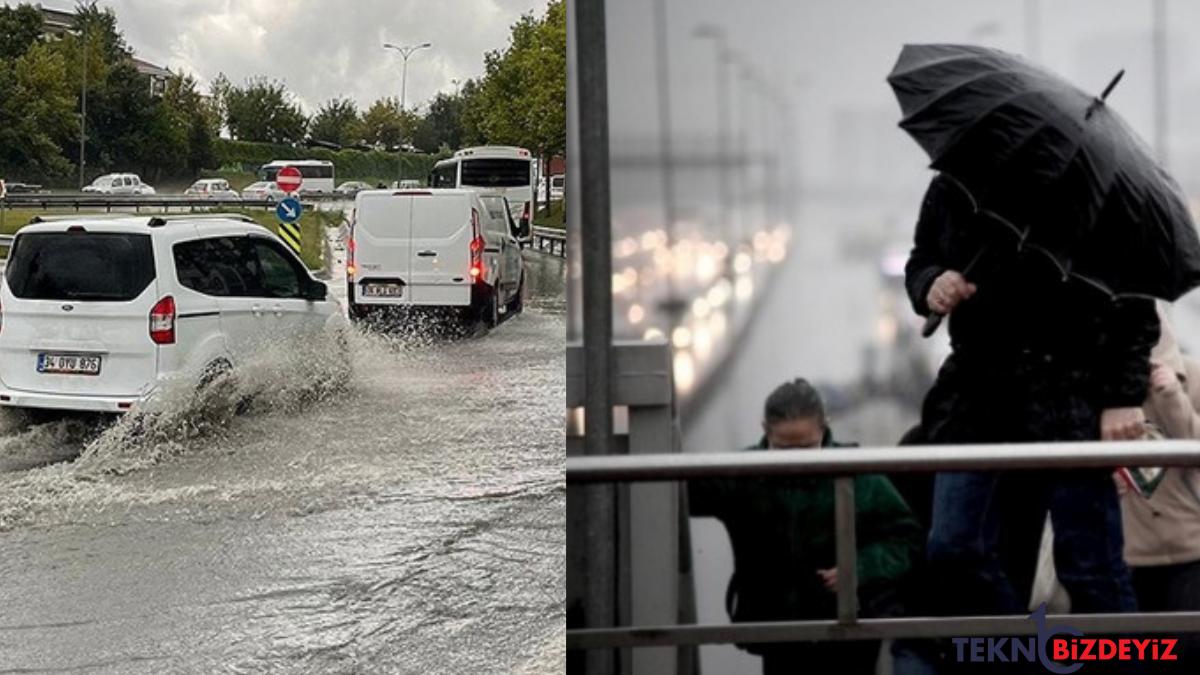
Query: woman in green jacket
point(782, 536)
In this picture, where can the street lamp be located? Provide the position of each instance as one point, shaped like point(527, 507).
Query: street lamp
point(83, 110)
point(405, 51)
point(717, 35)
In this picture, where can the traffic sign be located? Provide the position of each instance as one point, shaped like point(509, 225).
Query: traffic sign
point(289, 210)
point(288, 179)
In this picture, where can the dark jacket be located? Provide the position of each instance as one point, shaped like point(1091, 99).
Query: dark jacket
point(782, 532)
point(1034, 357)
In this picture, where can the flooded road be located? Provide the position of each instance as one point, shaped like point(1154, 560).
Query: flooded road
point(412, 522)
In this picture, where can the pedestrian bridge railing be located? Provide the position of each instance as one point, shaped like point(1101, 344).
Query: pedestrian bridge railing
point(843, 464)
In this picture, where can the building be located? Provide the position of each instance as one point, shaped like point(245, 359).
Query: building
point(157, 75)
point(56, 23)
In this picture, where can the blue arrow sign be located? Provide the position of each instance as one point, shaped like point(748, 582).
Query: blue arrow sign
point(288, 210)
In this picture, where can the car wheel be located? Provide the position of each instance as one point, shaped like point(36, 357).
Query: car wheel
point(492, 309)
point(517, 304)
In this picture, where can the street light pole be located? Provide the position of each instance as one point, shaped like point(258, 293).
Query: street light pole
point(405, 52)
point(708, 31)
point(83, 113)
point(1160, 81)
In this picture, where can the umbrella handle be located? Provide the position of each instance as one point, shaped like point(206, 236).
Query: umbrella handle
point(931, 324)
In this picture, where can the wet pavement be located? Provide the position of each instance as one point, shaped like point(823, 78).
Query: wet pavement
point(412, 522)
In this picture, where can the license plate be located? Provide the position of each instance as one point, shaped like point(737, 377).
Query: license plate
point(73, 364)
point(382, 290)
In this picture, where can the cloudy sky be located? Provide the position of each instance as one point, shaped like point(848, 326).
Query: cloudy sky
point(321, 49)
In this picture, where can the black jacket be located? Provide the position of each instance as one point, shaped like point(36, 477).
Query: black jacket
point(1027, 341)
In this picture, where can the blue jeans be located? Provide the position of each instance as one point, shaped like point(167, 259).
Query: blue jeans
point(1088, 542)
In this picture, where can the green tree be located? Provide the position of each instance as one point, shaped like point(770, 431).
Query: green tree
point(263, 110)
point(20, 27)
point(533, 71)
point(336, 121)
point(383, 125)
point(441, 127)
point(36, 114)
point(189, 112)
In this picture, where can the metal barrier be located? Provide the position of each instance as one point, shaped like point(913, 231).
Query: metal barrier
point(138, 202)
point(843, 463)
point(550, 240)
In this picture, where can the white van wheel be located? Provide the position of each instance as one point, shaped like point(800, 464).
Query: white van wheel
point(493, 309)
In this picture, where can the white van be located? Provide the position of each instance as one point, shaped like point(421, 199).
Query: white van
point(451, 250)
point(95, 313)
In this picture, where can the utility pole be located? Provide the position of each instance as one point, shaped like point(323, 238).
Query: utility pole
point(83, 112)
point(1033, 32)
point(725, 208)
point(673, 305)
point(1160, 82)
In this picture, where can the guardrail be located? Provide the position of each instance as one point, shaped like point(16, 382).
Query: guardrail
point(108, 203)
point(550, 240)
point(843, 463)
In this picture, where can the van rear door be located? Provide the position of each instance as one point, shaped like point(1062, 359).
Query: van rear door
point(441, 248)
point(76, 310)
point(382, 243)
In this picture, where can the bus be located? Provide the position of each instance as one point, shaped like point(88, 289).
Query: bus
point(317, 173)
point(495, 168)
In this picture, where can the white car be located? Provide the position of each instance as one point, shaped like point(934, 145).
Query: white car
point(453, 251)
point(101, 314)
point(212, 188)
point(264, 190)
point(119, 184)
point(557, 185)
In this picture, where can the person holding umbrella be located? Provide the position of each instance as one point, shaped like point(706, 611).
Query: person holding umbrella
point(1045, 235)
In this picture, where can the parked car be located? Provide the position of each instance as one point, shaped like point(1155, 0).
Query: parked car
point(351, 188)
point(212, 188)
point(451, 251)
point(266, 190)
point(119, 184)
point(557, 185)
point(98, 314)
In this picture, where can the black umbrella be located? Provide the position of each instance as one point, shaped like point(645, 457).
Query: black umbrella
point(1051, 163)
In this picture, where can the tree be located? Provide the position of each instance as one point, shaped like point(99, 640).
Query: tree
point(441, 126)
point(20, 27)
point(263, 110)
point(191, 114)
point(36, 114)
point(532, 70)
point(382, 124)
point(336, 121)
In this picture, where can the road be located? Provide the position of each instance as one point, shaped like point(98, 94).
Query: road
point(412, 523)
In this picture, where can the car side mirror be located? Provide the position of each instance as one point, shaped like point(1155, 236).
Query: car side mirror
point(523, 228)
point(316, 290)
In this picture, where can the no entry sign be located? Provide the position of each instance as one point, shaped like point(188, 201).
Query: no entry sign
point(289, 179)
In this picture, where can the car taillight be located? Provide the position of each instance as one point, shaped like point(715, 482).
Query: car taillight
point(477, 245)
point(162, 321)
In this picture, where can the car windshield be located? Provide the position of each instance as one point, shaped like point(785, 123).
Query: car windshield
point(103, 181)
point(80, 266)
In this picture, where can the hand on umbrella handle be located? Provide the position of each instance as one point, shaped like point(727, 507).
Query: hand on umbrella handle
point(949, 289)
point(931, 324)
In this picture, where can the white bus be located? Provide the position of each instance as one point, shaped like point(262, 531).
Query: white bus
point(317, 173)
point(495, 168)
